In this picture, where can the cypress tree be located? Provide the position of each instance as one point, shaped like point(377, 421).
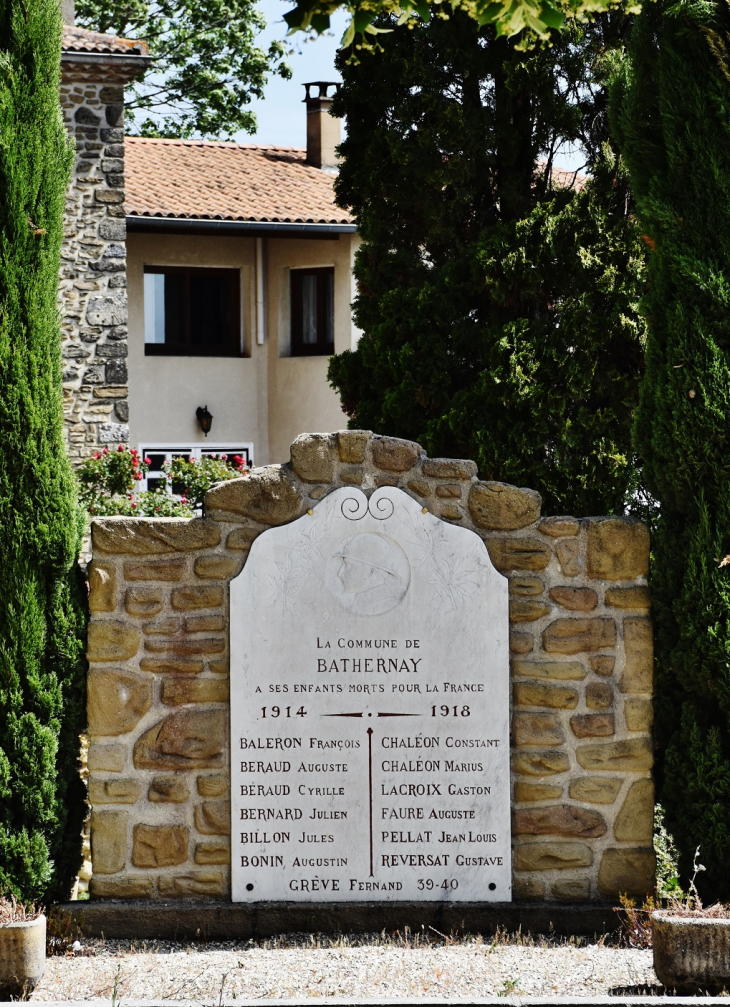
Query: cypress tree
point(670, 110)
point(499, 314)
point(41, 601)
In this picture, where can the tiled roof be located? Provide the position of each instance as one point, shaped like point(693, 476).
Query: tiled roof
point(203, 180)
point(84, 41)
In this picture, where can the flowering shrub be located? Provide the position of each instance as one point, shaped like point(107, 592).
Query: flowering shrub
point(195, 476)
point(108, 482)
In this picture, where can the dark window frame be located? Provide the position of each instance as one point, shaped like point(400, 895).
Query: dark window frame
point(233, 348)
point(322, 347)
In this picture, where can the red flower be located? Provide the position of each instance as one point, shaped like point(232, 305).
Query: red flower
point(148, 461)
point(191, 459)
point(96, 454)
point(105, 451)
point(224, 458)
point(120, 448)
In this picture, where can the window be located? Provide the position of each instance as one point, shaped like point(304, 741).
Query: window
point(159, 455)
point(192, 312)
point(312, 311)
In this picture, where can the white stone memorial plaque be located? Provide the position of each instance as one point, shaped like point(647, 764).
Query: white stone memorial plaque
point(370, 709)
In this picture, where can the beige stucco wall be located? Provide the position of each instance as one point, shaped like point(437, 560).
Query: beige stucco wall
point(266, 397)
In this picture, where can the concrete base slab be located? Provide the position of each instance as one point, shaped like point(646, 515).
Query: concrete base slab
point(229, 921)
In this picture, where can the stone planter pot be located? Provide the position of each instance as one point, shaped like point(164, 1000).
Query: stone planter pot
point(691, 953)
point(22, 956)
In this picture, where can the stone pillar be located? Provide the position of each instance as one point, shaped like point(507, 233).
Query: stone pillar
point(93, 281)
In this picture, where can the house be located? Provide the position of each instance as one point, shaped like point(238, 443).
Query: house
point(203, 284)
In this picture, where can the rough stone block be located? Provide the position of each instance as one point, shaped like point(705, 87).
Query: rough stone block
point(213, 851)
point(395, 455)
point(168, 789)
point(634, 755)
point(216, 567)
point(185, 739)
point(116, 701)
point(639, 648)
point(627, 871)
point(171, 666)
point(527, 610)
point(518, 554)
point(541, 694)
point(527, 792)
point(185, 648)
point(352, 445)
point(558, 820)
point(204, 624)
point(107, 310)
point(111, 640)
point(177, 692)
point(143, 600)
point(242, 538)
point(145, 536)
point(449, 468)
point(568, 552)
point(156, 569)
point(219, 667)
point(269, 495)
point(635, 821)
point(602, 665)
point(551, 856)
point(449, 491)
point(133, 886)
point(592, 725)
point(109, 841)
point(311, 458)
point(540, 763)
point(638, 713)
point(576, 636)
point(560, 670)
point(500, 507)
point(575, 890)
point(105, 758)
point(618, 548)
point(520, 643)
point(599, 696)
point(354, 476)
point(595, 789)
point(102, 588)
point(163, 627)
point(114, 791)
point(529, 889)
point(213, 818)
point(159, 845)
point(213, 786)
point(628, 597)
point(526, 586)
point(536, 729)
point(191, 884)
point(197, 596)
point(559, 527)
point(577, 599)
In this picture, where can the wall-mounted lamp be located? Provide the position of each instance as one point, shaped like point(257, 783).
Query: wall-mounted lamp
point(205, 419)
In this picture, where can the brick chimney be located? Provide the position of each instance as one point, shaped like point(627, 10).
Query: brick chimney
point(323, 130)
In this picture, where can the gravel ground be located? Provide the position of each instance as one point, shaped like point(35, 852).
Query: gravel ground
point(368, 966)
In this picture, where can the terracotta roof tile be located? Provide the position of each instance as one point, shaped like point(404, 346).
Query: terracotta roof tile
point(204, 180)
point(82, 40)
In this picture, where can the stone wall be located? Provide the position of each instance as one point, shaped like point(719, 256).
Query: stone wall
point(93, 295)
point(581, 664)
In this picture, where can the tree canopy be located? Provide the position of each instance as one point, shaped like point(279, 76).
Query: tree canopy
point(499, 312)
point(207, 66)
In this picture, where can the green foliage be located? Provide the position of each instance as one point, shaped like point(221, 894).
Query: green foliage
point(107, 483)
point(207, 65)
point(499, 315)
point(670, 111)
point(42, 606)
point(532, 20)
point(667, 866)
point(193, 477)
